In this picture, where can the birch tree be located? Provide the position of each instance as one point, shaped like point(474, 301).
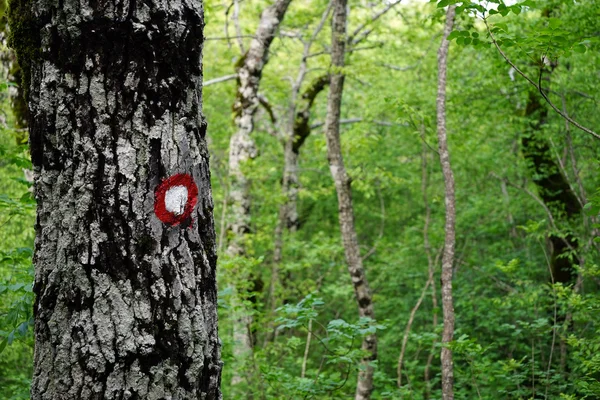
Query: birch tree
point(125, 253)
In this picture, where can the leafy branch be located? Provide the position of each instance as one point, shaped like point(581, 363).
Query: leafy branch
point(538, 85)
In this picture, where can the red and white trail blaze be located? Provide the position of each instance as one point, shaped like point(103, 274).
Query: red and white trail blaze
point(175, 199)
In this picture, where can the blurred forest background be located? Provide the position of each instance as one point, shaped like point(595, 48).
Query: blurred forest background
point(527, 201)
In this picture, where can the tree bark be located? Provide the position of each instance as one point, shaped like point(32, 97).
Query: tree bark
point(364, 386)
point(126, 304)
point(450, 202)
point(553, 188)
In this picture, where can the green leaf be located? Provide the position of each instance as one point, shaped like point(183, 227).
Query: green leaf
point(554, 22)
point(453, 35)
point(443, 3)
point(579, 48)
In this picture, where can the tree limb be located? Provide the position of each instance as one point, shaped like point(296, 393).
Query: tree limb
point(219, 80)
point(538, 86)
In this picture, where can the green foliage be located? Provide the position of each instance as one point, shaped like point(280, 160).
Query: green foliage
point(19, 313)
point(336, 341)
point(518, 335)
point(17, 210)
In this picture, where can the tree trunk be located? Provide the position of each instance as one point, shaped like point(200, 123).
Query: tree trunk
point(364, 386)
point(288, 211)
point(553, 188)
point(242, 149)
point(126, 303)
point(450, 202)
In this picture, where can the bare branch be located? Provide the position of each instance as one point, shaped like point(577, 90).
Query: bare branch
point(355, 39)
point(538, 86)
point(318, 28)
point(532, 195)
point(267, 106)
point(419, 61)
point(227, 24)
point(356, 120)
point(219, 80)
point(318, 53)
point(395, 68)
point(374, 46)
point(236, 22)
point(228, 38)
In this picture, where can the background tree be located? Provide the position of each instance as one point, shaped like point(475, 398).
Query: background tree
point(342, 182)
point(242, 149)
point(450, 205)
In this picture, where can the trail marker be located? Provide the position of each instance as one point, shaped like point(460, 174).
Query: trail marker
point(175, 199)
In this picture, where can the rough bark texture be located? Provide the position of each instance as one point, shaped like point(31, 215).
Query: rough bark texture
point(242, 149)
point(364, 386)
point(450, 202)
point(126, 305)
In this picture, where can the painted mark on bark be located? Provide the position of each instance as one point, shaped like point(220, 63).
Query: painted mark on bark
point(175, 199)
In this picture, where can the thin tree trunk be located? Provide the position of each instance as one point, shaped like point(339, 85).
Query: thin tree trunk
point(306, 349)
point(411, 319)
point(553, 187)
point(430, 262)
point(362, 292)
point(430, 278)
point(125, 303)
point(242, 149)
point(450, 202)
point(299, 129)
point(288, 211)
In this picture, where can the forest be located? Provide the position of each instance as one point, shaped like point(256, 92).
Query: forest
point(401, 199)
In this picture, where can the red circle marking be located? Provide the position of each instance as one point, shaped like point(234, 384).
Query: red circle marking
point(160, 208)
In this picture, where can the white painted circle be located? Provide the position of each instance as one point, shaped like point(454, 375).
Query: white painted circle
point(175, 199)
